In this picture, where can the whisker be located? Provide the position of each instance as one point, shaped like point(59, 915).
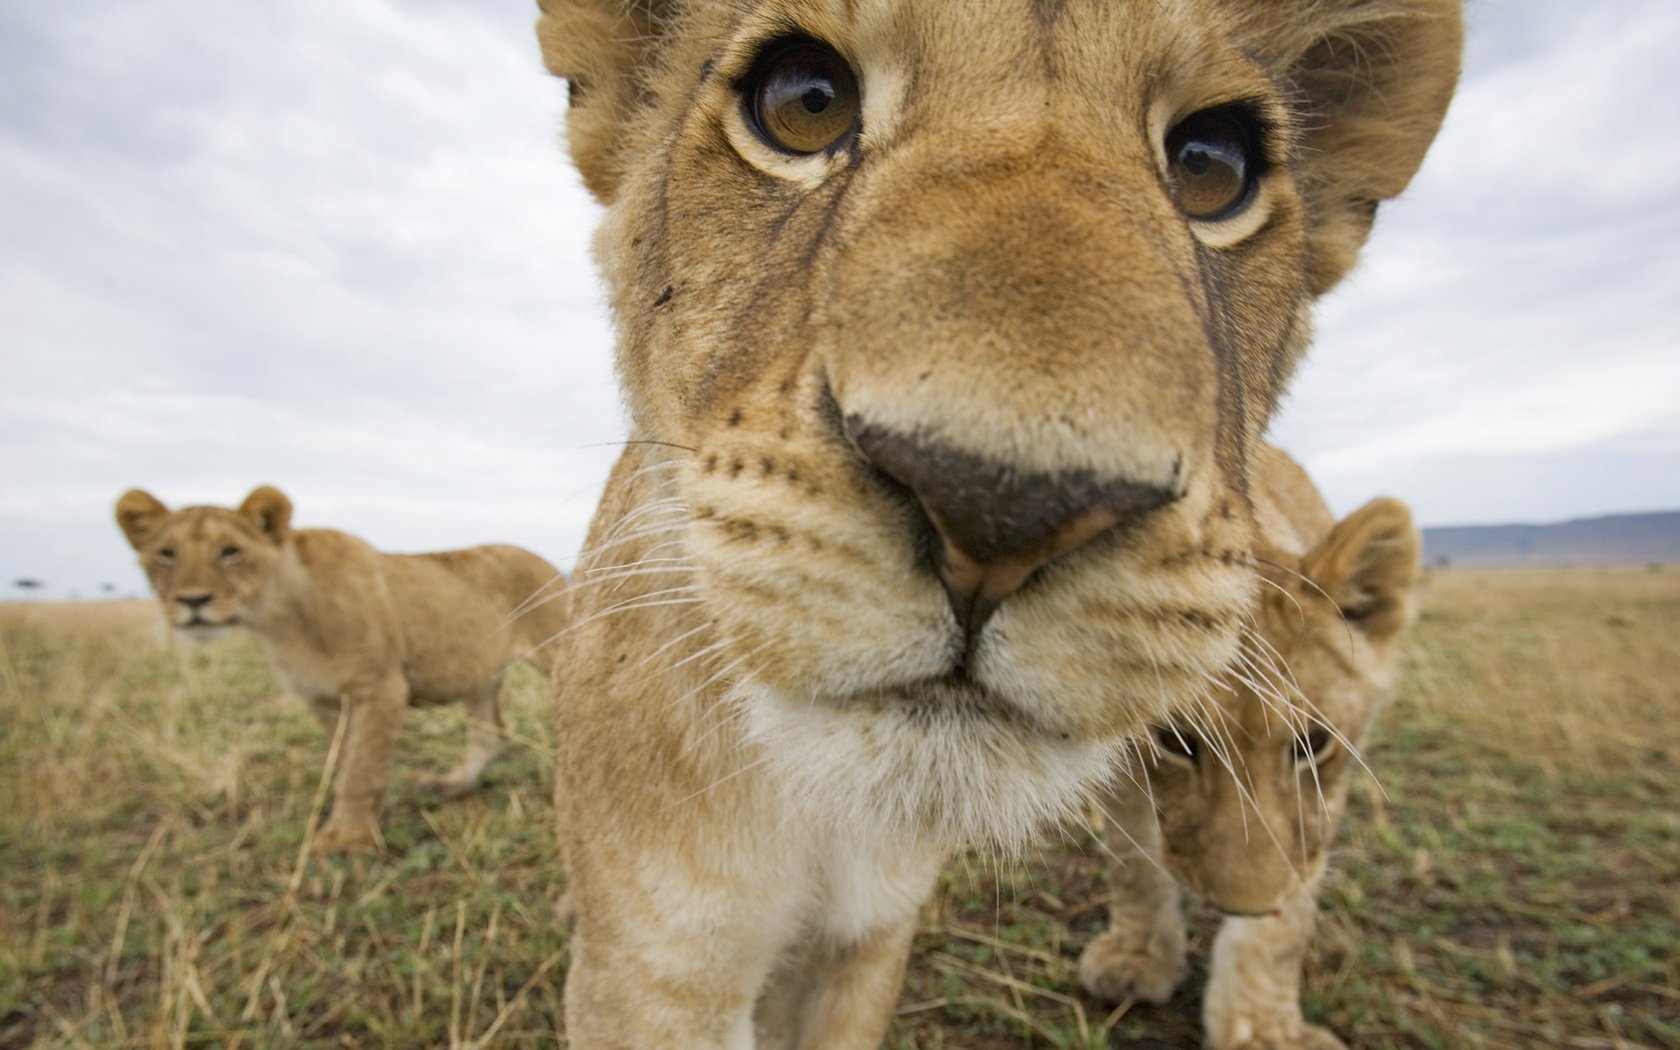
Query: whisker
point(718, 674)
point(640, 441)
point(1313, 715)
point(674, 641)
point(1109, 823)
point(699, 654)
point(527, 605)
point(668, 514)
point(1322, 593)
point(628, 605)
point(727, 698)
point(609, 573)
point(749, 767)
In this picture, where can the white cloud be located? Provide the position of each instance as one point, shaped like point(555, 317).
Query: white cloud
point(1521, 305)
point(334, 245)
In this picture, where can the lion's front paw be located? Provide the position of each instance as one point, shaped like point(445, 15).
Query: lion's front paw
point(1298, 1036)
point(347, 836)
point(1122, 965)
point(451, 786)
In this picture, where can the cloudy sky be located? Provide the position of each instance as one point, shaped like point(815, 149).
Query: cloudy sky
point(334, 245)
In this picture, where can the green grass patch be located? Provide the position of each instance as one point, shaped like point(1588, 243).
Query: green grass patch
point(1515, 882)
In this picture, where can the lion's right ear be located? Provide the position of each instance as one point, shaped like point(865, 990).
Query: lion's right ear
point(1371, 80)
point(138, 513)
point(1368, 565)
point(269, 510)
point(605, 50)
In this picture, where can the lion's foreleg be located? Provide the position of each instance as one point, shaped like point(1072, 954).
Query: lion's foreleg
point(654, 987)
point(485, 734)
point(1142, 953)
point(376, 713)
point(1253, 999)
point(846, 999)
point(326, 713)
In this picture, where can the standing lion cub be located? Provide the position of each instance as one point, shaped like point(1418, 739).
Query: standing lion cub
point(1239, 802)
point(347, 626)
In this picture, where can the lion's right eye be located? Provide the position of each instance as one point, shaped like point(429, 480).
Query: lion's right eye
point(164, 555)
point(1177, 743)
point(802, 97)
point(1212, 163)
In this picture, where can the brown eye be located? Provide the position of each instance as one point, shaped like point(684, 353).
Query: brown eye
point(164, 555)
point(229, 553)
point(803, 97)
point(1212, 161)
point(1178, 743)
point(1315, 745)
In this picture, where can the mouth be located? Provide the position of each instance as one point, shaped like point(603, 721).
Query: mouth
point(943, 757)
point(951, 698)
point(957, 696)
point(199, 625)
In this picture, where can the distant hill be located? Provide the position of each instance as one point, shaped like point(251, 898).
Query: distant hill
point(1615, 539)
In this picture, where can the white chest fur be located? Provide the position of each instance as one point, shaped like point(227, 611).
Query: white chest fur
point(304, 675)
point(869, 885)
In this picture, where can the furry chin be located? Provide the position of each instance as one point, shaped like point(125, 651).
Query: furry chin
point(941, 770)
point(200, 633)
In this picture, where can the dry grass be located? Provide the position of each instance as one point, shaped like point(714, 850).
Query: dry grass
point(1573, 669)
point(1518, 885)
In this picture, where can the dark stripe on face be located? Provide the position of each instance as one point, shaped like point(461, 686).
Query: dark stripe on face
point(835, 190)
point(1231, 427)
point(1046, 14)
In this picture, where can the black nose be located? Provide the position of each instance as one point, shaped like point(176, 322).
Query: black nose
point(193, 601)
point(997, 523)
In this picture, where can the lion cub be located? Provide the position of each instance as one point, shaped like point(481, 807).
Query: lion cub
point(947, 333)
point(345, 625)
point(1252, 842)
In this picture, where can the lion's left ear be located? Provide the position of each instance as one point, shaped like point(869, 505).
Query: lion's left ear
point(138, 513)
point(269, 510)
point(1371, 80)
point(606, 50)
point(1368, 565)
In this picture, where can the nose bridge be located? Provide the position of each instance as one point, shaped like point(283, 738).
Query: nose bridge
point(191, 582)
point(194, 571)
point(1023, 305)
point(1253, 862)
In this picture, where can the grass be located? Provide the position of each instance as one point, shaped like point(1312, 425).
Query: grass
point(1515, 882)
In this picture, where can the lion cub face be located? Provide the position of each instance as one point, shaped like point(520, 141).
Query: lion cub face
point(959, 322)
point(1249, 800)
point(207, 565)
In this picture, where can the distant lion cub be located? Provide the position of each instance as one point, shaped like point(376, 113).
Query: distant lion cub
point(1240, 804)
point(344, 624)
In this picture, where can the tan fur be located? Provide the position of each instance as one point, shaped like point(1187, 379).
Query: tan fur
point(347, 627)
point(1247, 822)
point(766, 748)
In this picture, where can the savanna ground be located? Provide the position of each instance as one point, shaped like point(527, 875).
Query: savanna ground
point(1514, 883)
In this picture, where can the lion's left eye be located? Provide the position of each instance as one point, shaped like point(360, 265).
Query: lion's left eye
point(1315, 745)
point(1177, 743)
point(1212, 162)
point(229, 553)
point(802, 97)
